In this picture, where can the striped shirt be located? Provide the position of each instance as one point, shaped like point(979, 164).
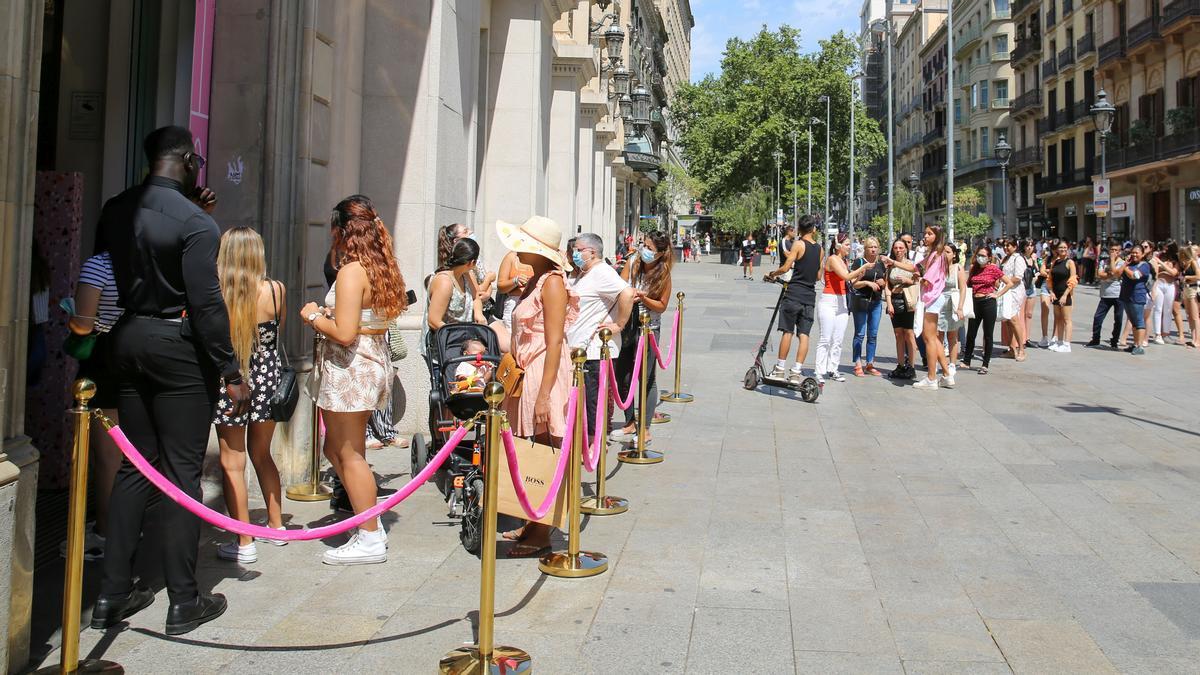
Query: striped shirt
point(97, 272)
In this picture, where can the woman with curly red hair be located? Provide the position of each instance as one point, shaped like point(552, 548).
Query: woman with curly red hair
point(353, 364)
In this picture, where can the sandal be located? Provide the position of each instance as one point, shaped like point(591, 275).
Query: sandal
point(1021, 356)
point(514, 535)
point(982, 370)
point(858, 371)
point(872, 370)
point(523, 550)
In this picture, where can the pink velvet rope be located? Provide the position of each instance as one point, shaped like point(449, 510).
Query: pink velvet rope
point(591, 451)
point(226, 523)
point(514, 467)
point(624, 404)
point(664, 362)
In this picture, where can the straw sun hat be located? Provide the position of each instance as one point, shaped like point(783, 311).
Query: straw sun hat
point(538, 235)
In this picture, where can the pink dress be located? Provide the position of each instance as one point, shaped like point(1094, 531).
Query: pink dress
point(529, 350)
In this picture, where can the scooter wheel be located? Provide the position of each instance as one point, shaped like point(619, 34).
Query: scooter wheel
point(750, 381)
point(810, 391)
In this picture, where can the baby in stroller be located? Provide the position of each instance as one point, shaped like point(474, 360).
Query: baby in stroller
point(470, 376)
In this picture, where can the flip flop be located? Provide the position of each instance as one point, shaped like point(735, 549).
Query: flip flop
point(513, 535)
point(527, 551)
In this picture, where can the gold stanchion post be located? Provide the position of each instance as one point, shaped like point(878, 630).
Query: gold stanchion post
point(573, 563)
point(312, 490)
point(73, 579)
point(602, 504)
point(638, 454)
point(485, 657)
point(678, 396)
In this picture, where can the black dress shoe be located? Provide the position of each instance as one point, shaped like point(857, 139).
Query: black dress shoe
point(112, 610)
point(185, 617)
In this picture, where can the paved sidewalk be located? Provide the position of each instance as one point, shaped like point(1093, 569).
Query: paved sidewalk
point(1044, 518)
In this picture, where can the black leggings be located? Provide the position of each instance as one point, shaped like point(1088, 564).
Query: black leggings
point(624, 367)
point(985, 313)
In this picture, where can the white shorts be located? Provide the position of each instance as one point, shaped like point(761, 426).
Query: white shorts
point(935, 307)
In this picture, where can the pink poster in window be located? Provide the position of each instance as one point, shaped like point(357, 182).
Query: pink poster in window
point(202, 42)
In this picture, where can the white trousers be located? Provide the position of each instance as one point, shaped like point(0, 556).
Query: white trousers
point(832, 315)
point(1161, 317)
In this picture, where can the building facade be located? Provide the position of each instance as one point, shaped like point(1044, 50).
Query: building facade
point(933, 101)
point(468, 111)
point(1026, 113)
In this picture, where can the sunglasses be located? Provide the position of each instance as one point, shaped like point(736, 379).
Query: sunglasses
point(197, 158)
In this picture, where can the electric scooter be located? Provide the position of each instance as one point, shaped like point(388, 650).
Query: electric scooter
point(809, 388)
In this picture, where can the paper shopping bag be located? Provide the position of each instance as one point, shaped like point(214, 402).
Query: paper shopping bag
point(537, 464)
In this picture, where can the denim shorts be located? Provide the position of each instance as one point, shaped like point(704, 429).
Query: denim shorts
point(935, 307)
point(1136, 313)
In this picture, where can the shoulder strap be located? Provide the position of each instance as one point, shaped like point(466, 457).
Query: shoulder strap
point(274, 303)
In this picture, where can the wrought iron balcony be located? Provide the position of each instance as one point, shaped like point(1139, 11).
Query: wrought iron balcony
point(1066, 57)
point(1051, 16)
point(933, 135)
point(1026, 157)
point(1049, 68)
point(1168, 147)
point(1180, 15)
point(1112, 50)
point(1143, 33)
point(1029, 101)
point(1086, 44)
point(1030, 46)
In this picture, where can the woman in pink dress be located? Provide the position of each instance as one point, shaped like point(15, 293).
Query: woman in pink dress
point(539, 344)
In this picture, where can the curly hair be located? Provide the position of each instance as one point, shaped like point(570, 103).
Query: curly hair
point(657, 272)
point(359, 235)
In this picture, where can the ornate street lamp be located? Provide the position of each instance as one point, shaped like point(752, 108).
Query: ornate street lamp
point(613, 38)
point(1003, 153)
point(620, 82)
point(603, 4)
point(641, 108)
point(1103, 113)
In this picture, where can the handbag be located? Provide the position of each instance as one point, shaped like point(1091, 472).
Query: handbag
point(287, 394)
point(537, 463)
point(511, 376)
point(968, 305)
point(397, 347)
point(80, 347)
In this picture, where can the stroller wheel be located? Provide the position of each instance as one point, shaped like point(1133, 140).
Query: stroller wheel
point(810, 391)
point(419, 453)
point(750, 381)
point(471, 534)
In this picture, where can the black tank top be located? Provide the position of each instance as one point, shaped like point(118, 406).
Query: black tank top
point(1059, 276)
point(803, 286)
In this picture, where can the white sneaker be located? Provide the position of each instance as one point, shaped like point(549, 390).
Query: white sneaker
point(1044, 343)
point(777, 373)
point(1064, 347)
point(240, 554)
point(273, 542)
point(837, 376)
point(926, 383)
point(947, 382)
point(951, 371)
point(364, 548)
point(1159, 341)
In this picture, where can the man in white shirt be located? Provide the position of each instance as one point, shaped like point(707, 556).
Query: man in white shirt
point(605, 301)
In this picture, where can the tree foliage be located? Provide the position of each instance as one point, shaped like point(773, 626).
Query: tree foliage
point(902, 210)
point(677, 189)
point(970, 218)
point(731, 124)
point(743, 213)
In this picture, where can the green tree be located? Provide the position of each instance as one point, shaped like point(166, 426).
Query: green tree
point(970, 220)
point(902, 210)
point(677, 189)
point(731, 124)
point(743, 213)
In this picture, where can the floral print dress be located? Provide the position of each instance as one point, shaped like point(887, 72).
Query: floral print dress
point(265, 369)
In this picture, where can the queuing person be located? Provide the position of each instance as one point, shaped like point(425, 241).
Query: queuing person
point(546, 310)
point(605, 301)
point(1166, 281)
point(451, 295)
point(354, 364)
point(1063, 280)
point(797, 308)
point(255, 305)
point(902, 308)
point(833, 309)
point(983, 281)
point(932, 269)
point(1108, 274)
point(96, 312)
point(163, 245)
point(748, 250)
point(951, 318)
point(866, 304)
point(1041, 285)
point(650, 275)
point(1133, 296)
point(1013, 300)
point(1189, 273)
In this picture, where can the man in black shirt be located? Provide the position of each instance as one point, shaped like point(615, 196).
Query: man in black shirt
point(172, 351)
point(798, 306)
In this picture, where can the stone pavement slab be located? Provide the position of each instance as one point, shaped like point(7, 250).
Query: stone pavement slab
point(1044, 518)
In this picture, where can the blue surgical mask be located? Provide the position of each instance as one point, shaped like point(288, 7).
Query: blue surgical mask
point(577, 259)
point(647, 255)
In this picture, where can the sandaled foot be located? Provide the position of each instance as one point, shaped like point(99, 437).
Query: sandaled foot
point(514, 535)
point(525, 550)
point(982, 370)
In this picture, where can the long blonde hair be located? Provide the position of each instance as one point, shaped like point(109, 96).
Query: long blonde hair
point(241, 267)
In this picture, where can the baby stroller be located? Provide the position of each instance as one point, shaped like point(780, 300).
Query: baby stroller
point(460, 478)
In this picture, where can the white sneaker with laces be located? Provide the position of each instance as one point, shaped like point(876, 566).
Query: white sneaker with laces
point(926, 384)
point(273, 542)
point(1159, 341)
point(947, 382)
point(240, 554)
point(837, 376)
point(795, 377)
point(1064, 347)
point(777, 373)
point(364, 548)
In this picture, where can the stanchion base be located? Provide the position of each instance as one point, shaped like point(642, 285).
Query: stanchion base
point(608, 506)
point(676, 397)
point(504, 660)
point(85, 666)
point(307, 492)
point(635, 457)
point(563, 564)
point(660, 418)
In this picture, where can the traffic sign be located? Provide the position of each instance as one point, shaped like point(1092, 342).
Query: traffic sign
point(1100, 196)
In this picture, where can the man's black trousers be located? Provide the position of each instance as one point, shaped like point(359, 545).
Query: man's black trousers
point(168, 395)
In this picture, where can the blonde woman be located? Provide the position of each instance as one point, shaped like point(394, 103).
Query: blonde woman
point(255, 305)
point(1189, 272)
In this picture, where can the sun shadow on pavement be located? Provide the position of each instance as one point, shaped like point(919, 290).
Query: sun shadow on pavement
point(1110, 410)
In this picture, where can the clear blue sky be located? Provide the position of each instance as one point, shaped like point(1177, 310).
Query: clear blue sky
point(719, 20)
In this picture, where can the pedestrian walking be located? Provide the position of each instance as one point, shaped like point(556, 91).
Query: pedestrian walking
point(256, 306)
point(354, 363)
point(749, 249)
point(172, 352)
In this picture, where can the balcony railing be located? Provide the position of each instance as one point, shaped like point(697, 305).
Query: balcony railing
point(1019, 6)
point(1025, 157)
point(1049, 68)
point(1001, 56)
point(933, 135)
point(1112, 50)
point(1030, 46)
point(977, 165)
point(932, 172)
point(1167, 147)
point(1065, 180)
point(1175, 13)
point(1143, 32)
point(1029, 99)
point(1051, 17)
point(1000, 103)
point(1066, 57)
point(968, 39)
point(1087, 44)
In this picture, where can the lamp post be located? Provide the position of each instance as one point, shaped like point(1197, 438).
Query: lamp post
point(950, 113)
point(853, 104)
point(914, 184)
point(828, 104)
point(872, 193)
point(795, 206)
point(886, 27)
point(778, 196)
point(1102, 116)
point(811, 122)
point(1003, 154)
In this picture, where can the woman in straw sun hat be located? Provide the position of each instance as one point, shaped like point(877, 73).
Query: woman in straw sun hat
point(546, 308)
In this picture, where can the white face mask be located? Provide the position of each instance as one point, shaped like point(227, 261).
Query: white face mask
point(981, 259)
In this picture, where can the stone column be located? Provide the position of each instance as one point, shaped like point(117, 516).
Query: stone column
point(562, 170)
point(588, 186)
point(20, 76)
